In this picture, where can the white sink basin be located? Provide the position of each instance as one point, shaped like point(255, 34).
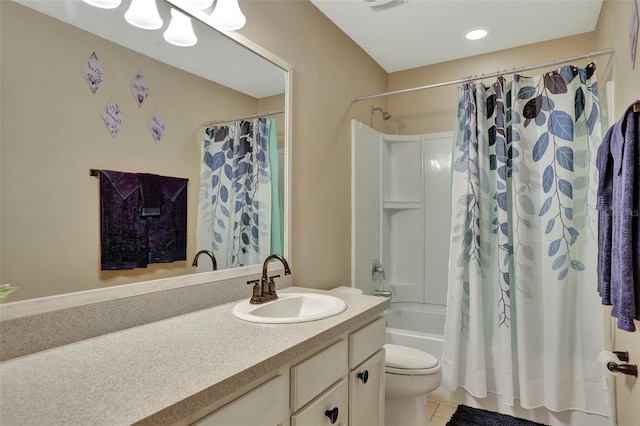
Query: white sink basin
point(291, 308)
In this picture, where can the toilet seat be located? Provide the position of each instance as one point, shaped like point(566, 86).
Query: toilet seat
point(409, 361)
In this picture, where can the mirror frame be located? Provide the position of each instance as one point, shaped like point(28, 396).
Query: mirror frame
point(24, 308)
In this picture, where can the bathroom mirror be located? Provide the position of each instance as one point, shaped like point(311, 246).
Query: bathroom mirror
point(53, 130)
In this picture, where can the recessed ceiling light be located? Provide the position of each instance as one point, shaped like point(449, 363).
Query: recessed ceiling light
point(477, 33)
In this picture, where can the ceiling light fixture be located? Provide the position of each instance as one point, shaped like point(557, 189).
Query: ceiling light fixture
point(144, 14)
point(477, 33)
point(200, 4)
point(180, 31)
point(104, 4)
point(228, 16)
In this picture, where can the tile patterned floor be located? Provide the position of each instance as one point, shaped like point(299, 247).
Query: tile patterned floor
point(439, 413)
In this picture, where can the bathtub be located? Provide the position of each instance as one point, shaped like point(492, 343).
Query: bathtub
point(417, 326)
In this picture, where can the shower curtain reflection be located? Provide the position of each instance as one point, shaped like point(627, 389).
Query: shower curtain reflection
point(239, 208)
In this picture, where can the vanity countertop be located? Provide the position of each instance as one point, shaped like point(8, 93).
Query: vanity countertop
point(160, 372)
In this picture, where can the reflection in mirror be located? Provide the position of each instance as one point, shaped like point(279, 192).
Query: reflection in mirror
point(53, 131)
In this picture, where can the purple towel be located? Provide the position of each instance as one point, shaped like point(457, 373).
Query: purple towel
point(143, 219)
point(168, 232)
point(149, 194)
point(618, 164)
point(604, 162)
point(123, 236)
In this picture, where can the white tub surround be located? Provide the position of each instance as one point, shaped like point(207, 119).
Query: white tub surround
point(164, 371)
point(416, 325)
point(399, 188)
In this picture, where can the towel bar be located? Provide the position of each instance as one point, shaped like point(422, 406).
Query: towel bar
point(96, 172)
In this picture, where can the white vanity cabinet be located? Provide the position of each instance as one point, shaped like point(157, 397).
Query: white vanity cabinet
point(356, 366)
point(342, 384)
point(265, 405)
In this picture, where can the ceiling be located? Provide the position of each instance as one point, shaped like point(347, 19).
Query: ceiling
point(415, 33)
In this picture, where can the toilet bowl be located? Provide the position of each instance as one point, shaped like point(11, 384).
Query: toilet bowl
point(409, 375)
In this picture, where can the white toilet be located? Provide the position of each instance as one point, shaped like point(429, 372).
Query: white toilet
point(410, 374)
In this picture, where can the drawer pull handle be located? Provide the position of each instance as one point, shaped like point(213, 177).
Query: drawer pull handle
point(332, 414)
point(364, 376)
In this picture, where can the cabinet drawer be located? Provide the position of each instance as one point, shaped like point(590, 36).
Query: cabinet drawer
point(315, 413)
point(265, 405)
point(312, 376)
point(365, 342)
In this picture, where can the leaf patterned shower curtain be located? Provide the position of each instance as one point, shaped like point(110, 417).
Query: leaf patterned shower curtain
point(234, 209)
point(523, 319)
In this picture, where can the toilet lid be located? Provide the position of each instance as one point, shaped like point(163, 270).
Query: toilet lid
point(402, 357)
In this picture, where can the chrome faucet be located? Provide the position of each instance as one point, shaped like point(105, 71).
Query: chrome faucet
point(208, 253)
point(264, 289)
point(376, 268)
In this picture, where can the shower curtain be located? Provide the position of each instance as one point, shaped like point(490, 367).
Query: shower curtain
point(523, 317)
point(235, 204)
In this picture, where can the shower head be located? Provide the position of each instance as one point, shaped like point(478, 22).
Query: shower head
point(385, 114)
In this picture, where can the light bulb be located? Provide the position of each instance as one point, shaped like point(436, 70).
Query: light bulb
point(228, 16)
point(144, 14)
point(104, 4)
point(180, 31)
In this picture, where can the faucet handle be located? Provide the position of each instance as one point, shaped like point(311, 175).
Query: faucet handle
point(256, 296)
point(272, 285)
point(377, 268)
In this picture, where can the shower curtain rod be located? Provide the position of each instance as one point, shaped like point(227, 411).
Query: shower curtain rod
point(483, 76)
point(246, 117)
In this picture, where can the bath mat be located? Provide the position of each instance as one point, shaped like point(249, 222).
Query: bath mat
point(468, 416)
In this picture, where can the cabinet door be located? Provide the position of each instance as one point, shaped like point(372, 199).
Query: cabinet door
point(366, 392)
point(263, 406)
point(332, 407)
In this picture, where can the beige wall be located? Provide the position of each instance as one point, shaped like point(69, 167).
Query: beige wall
point(52, 133)
point(329, 69)
point(434, 110)
point(271, 104)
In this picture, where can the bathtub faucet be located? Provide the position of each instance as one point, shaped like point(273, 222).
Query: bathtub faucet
point(382, 293)
point(376, 268)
